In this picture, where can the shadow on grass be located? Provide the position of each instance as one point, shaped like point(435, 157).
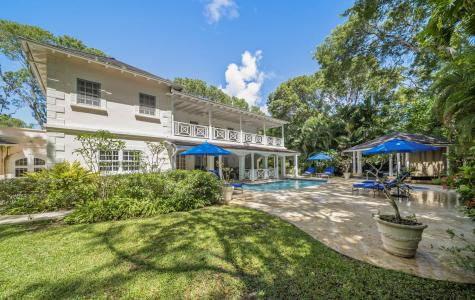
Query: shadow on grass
point(223, 253)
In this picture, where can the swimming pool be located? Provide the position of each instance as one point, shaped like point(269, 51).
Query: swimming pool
point(283, 185)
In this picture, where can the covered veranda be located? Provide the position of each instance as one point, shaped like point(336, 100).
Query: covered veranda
point(246, 163)
point(423, 164)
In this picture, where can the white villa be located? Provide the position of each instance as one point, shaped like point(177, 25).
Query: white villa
point(86, 93)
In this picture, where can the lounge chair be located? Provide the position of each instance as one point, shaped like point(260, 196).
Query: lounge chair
point(310, 171)
point(377, 186)
point(330, 171)
point(238, 185)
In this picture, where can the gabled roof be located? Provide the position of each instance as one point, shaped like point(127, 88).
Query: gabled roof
point(413, 137)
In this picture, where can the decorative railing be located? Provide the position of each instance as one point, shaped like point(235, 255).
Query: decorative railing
point(259, 173)
point(191, 130)
point(221, 134)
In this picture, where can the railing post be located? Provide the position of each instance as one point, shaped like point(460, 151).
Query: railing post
point(241, 137)
point(210, 126)
point(283, 144)
point(173, 116)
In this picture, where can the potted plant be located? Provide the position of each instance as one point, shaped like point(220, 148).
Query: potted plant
point(400, 236)
point(228, 189)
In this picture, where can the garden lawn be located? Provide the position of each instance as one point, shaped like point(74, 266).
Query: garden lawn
point(216, 252)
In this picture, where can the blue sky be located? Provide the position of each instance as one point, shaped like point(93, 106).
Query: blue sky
point(195, 38)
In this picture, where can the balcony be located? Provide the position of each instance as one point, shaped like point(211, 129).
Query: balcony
point(221, 134)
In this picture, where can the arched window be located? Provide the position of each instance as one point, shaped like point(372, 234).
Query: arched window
point(21, 167)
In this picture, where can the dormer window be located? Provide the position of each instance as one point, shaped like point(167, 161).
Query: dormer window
point(147, 104)
point(88, 92)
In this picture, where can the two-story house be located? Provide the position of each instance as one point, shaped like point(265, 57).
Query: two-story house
point(86, 93)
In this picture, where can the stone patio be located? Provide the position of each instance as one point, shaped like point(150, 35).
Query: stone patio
point(332, 214)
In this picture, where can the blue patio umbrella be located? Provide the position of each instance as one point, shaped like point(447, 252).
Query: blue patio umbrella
point(399, 146)
point(206, 149)
point(320, 156)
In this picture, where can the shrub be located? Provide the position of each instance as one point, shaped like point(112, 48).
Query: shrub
point(63, 186)
point(12, 189)
point(114, 208)
point(142, 195)
point(151, 186)
point(197, 189)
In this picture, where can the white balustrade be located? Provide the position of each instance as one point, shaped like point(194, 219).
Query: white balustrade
point(191, 130)
point(221, 134)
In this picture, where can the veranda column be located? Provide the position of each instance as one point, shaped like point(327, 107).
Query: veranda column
point(296, 165)
point(359, 163)
point(242, 166)
point(173, 116)
point(265, 134)
point(283, 167)
point(391, 164)
point(266, 166)
point(398, 159)
point(220, 166)
point(407, 162)
point(276, 167)
point(252, 167)
point(354, 163)
point(448, 162)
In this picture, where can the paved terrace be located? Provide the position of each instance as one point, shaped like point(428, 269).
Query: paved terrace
point(343, 221)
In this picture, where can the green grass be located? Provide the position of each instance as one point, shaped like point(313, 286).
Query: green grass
point(218, 252)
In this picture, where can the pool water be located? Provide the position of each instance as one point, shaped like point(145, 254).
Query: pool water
point(283, 185)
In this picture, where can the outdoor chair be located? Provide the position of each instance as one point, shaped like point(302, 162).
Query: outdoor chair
point(330, 171)
point(310, 171)
point(376, 186)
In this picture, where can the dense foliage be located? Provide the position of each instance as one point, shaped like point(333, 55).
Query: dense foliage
point(68, 185)
point(64, 186)
point(394, 65)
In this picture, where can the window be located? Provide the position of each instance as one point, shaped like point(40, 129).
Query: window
point(181, 162)
point(131, 160)
point(89, 92)
point(21, 167)
point(147, 104)
point(39, 164)
point(109, 160)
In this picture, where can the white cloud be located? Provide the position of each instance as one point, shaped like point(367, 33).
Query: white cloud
point(217, 9)
point(245, 81)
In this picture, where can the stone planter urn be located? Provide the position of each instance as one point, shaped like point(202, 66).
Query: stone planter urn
point(398, 239)
point(227, 193)
point(347, 175)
